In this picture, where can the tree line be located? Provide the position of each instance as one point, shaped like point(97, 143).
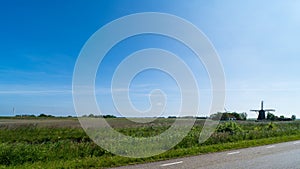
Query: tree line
point(272, 117)
point(229, 116)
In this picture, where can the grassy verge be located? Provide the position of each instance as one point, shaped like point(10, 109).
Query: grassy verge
point(113, 161)
point(40, 146)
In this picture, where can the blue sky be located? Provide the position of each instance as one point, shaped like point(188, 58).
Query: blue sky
point(258, 43)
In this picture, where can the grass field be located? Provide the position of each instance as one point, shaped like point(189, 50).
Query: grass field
point(62, 143)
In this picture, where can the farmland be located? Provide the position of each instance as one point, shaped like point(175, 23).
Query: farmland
point(62, 143)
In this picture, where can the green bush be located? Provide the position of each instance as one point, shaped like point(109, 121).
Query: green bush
point(229, 127)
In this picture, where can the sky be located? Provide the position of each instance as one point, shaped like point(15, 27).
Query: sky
point(257, 42)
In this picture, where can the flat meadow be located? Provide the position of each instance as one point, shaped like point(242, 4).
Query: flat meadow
point(62, 143)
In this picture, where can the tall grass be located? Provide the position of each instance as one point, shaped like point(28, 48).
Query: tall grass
point(34, 146)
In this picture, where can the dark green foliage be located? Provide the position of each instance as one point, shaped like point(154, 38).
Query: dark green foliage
point(236, 115)
point(99, 116)
point(25, 115)
point(229, 116)
point(45, 115)
point(172, 117)
point(109, 116)
point(271, 116)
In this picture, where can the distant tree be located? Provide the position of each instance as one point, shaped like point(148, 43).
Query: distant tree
point(293, 117)
point(236, 115)
point(45, 115)
point(172, 117)
point(91, 115)
point(109, 116)
point(28, 115)
point(282, 117)
point(216, 116)
point(271, 116)
point(227, 116)
point(42, 115)
point(243, 116)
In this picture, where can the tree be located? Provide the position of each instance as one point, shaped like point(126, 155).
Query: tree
point(42, 115)
point(293, 117)
point(172, 117)
point(45, 115)
point(236, 115)
point(228, 116)
point(216, 116)
point(271, 116)
point(91, 115)
point(243, 116)
point(109, 116)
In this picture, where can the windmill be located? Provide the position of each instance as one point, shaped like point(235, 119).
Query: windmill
point(262, 112)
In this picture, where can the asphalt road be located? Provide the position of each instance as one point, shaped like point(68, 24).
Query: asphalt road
point(276, 156)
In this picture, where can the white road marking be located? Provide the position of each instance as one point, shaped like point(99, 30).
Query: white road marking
point(270, 147)
point(237, 152)
point(168, 164)
point(297, 142)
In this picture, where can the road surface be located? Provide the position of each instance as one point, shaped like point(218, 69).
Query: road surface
point(276, 156)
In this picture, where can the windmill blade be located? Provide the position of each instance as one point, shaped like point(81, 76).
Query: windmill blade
point(269, 109)
point(255, 110)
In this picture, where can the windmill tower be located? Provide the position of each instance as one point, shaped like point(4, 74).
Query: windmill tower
point(262, 112)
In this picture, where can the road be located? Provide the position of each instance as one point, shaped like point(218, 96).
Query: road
point(276, 156)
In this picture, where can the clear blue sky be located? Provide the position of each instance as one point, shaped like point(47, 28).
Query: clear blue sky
point(257, 41)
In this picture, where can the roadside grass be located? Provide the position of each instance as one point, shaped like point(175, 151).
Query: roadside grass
point(55, 147)
point(115, 161)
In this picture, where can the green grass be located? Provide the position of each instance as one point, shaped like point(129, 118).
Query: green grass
point(37, 146)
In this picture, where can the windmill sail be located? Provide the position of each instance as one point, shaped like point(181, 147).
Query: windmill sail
point(262, 112)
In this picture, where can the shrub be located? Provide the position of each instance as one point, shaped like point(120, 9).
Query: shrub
point(230, 127)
